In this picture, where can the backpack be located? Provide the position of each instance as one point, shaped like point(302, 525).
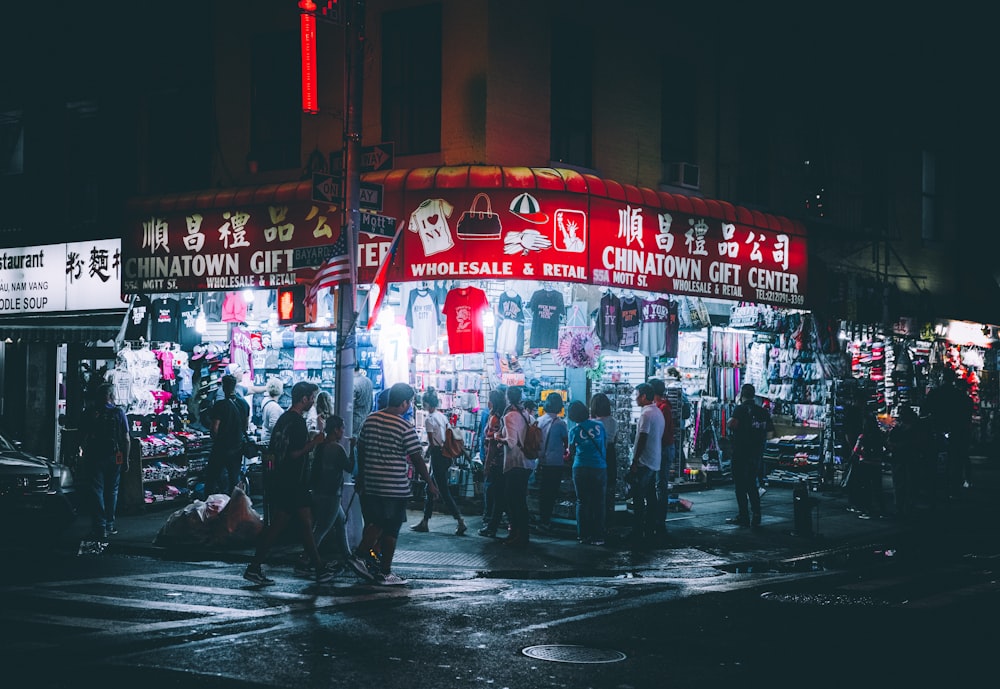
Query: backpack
point(531, 446)
point(102, 438)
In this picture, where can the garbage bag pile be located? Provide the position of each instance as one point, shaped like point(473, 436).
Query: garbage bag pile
point(219, 521)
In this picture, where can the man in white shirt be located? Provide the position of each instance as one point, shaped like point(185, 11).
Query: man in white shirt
point(646, 455)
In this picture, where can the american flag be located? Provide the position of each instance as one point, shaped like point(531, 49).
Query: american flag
point(336, 268)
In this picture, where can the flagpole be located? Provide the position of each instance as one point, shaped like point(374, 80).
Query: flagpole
point(346, 356)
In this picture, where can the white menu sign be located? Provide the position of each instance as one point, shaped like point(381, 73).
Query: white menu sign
point(80, 276)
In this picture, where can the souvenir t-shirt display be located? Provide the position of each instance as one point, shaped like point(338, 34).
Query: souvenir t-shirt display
point(510, 326)
point(546, 307)
point(653, 333)
point(234, 308)
point(138, 318)
point(463, 309)
point(421, 318)
point(608, 322)
point(164, 320)
point(631, 321)
point(188, 336)
point(672, 330)
point(240, 349)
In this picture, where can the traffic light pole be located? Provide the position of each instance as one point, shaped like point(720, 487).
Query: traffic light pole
point(354, 35)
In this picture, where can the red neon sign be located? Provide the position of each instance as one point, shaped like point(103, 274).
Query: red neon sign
point(308, 33)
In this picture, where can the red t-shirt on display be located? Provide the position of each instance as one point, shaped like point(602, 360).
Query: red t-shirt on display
point(463, 309)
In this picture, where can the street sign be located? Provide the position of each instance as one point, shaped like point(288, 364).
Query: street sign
point(373, 158)
point(326, 188)
point(378, 224)
point(330, 189)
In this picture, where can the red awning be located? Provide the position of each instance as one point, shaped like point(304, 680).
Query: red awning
point(476, 177)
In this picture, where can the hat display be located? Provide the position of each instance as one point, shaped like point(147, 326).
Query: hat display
point(525, 206)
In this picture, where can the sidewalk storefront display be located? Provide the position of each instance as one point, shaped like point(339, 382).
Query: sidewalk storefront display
point(550, 280)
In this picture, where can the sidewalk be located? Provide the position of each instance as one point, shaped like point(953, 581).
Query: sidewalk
point(698, 536)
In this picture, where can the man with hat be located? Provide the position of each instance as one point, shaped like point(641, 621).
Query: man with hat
point(551, 463)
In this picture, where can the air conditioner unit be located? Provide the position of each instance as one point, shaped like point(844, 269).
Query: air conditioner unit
point(684, 175)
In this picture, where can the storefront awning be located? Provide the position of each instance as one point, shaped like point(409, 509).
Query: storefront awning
point(63, 328)
point(474, 222)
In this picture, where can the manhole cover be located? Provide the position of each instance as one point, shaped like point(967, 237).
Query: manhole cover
point(560, 653)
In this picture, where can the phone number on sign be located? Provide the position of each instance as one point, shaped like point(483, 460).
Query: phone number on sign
point(780, 297)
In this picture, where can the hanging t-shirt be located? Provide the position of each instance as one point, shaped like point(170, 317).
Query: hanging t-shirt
point(421, 318)
point(138, 319)
point(510, 326)
point(211, 303)
point(631, 321)
point(673, 330)
point(608, 322)
point(164, 326)
point(546, 307)
point(188, 336)
point(234, 308)
point(463, 309)
point(430, 222)
point(240, 349)
point(394, 351)
point(653, 333)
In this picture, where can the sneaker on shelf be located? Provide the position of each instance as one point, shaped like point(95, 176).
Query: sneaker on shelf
point(390, 579)
point(360, 568)
point(257, 576)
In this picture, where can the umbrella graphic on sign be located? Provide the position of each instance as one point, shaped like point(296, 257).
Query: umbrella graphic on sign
point(525, 206)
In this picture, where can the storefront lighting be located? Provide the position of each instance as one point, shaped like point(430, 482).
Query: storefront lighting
point(200, 324)
point(248, 296)
point(843, 335)
point(488, 319)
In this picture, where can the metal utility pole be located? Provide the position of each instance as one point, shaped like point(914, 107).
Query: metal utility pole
point(354, 38)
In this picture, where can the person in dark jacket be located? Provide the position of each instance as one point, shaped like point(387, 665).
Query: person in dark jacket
point(907, 444)
point(230, 417)
point(750, 426)
point(869, 453)
point(105, 457)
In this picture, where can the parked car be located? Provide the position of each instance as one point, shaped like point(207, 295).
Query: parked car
point(35, 492)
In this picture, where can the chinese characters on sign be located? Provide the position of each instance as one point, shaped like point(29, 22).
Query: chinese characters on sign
point(81, 276)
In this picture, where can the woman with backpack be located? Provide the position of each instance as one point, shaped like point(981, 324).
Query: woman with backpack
point(436, 426)
point(517, 467)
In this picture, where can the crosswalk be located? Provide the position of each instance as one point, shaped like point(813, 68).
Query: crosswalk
point(173, 601)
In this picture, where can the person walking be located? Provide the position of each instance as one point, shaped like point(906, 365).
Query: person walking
point(105, 457)
point(387, 440)
point(552, 462)
point(750, 426)
point(287, 487)
point(869, 453)
point(493, 497)
point(600, 411)
point(646, 455)
point(364, 398)
point(330, 461)
point(907, 444)
point(271, 410)
point(588, 447)
point(436, 426)
point(230, 417)
point(667, 456)
point(320, 412)
point(516, 468)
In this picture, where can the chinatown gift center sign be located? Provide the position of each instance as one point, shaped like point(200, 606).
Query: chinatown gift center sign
point(255, 247)
point(469, 234)
point(475, 234)
point(79, 276)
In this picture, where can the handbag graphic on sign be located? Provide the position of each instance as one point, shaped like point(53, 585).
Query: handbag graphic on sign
point(479, 224)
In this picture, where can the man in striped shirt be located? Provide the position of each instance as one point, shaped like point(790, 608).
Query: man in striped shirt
point(386, 443)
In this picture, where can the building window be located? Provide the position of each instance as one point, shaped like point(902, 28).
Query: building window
point(411, 79)
point(83, 157)
point(11, 143)
point(275, 100)
point(679, 122)
point(572, 96)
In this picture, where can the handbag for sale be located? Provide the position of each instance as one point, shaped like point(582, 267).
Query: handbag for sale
point(479, 224)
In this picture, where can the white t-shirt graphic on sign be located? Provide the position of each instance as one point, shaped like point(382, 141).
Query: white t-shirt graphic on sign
point(430, 222)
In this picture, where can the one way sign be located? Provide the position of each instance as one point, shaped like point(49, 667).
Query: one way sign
point(373, 158)
point(330, 189)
